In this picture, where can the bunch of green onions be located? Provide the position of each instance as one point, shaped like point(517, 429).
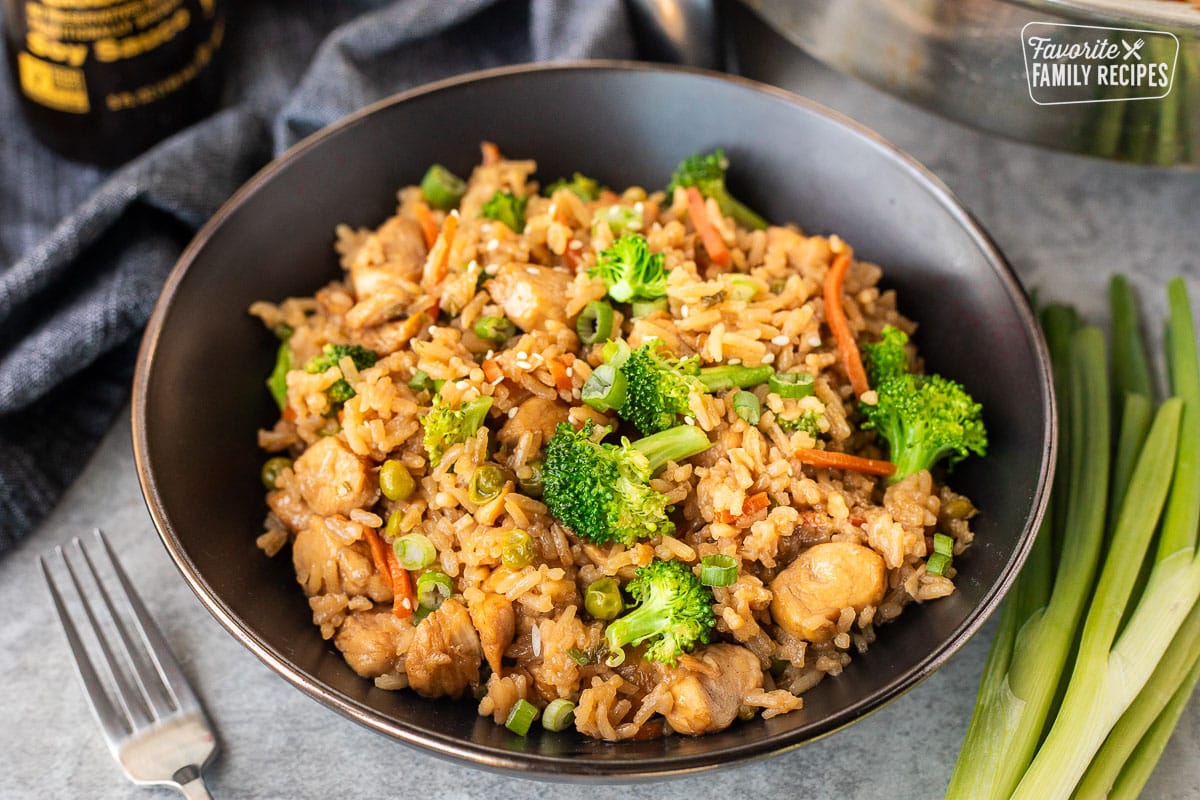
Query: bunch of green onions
point(1098, 644)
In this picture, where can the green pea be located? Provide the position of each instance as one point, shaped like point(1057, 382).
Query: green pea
point(529, 478)
point(395, 481)
point(603, 599)
point(272, 469)
point(487, 481)
point(518, 550)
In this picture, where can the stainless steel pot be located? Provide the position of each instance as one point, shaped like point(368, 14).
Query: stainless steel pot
point(965, 60)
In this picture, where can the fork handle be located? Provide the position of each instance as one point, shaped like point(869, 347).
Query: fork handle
point(195, 790)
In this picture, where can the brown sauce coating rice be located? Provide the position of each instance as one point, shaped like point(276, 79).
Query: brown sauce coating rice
point(770, 645)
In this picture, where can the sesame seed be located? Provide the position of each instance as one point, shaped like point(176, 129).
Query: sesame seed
point(498, 381)
point(491, 269)
point(570, 372)
point(733, 362)
point(492, 244)
point(522, 355)
point(690, 420)
point(769, 358)
point(512, 412)
point(639, 207)
point(683, 312)
point(553, 209)
point(814, 341)
point(575, 244)
point(524, 365)
point(531, 270)
point(780, 340)
point(488, 355)
point(461, 386)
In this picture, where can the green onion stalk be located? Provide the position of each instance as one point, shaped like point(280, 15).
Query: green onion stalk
point(1037, 625)
point(1115, 663)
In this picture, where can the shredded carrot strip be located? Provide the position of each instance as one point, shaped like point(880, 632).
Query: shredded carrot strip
point(558, 368)
point(832, 460)
point(755, 503)
point(712, 240)
point(752, 504)
point(438, 265)
point(491, 154)
point(289, 414)
point(609, 196)
point(835, 316)
point(403, 604)
point(378, 554)
point(429, 226)
point(491, 370)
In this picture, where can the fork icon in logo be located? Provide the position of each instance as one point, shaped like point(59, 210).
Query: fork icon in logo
point(1133, 49)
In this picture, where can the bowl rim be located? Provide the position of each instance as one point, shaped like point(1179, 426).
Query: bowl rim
point(534, 764)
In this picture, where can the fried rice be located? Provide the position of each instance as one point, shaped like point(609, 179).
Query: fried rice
point(824, 556)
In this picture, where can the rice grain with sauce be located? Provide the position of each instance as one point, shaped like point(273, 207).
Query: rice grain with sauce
point(412, 291)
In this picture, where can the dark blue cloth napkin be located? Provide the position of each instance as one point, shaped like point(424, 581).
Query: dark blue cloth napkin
point(84, 251)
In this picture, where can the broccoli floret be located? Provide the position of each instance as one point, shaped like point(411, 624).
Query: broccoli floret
point(506, 207)
point(924, 418)
point(340, 390)
point(630, 270)
point(706, 171)
point(602, 491)
point(657, 388)
point(657, 385)
point(674, 613)
point(887, 358)
point(446, 426)
point(808, 421)
point(580, 185)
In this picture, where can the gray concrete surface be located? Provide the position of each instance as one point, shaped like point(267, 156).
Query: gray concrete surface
point(1066, 223)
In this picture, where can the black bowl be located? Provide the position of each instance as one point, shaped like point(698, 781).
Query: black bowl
point(199, 394)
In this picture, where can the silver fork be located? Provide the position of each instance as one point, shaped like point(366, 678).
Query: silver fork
point(152, 721)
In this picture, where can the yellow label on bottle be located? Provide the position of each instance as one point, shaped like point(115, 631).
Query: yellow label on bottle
point(53, 85)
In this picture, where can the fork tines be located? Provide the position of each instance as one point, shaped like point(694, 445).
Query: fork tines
point(135, 682)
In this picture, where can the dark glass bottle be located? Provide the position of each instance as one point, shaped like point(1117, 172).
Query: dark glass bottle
point(102, 80)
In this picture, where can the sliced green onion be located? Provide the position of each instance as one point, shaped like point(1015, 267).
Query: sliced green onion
point(433, 588)
point(616, 352)
point(529, 479)
point(621, 219)
point(272, 469)
point(718, 570)
point(603, 599)
point(579, 657)
point(393, 524)
point(487, 481)
point(943, 544)
point(791, 385)
point(747, 406)
point(277, 381)
point(442, 188)
point(521, 717)
point(595, 323)
point(494, 329)
point(936, 565)
point(518, 549)
point(604, 390)
point(395, 481)
point(421, 382)
point(559, 715)
point(743, 288)
point(644, 308)
point(734, 376)
point(414, 551)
